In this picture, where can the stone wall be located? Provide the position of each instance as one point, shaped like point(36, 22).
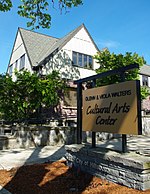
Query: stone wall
point(130, 169)
point(29, 136)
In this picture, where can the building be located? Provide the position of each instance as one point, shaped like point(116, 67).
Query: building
point(145, 82)
point(70, 55)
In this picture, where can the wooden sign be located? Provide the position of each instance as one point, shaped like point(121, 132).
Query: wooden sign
point(114, 108)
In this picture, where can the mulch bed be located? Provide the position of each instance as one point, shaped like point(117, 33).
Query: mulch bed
point(57, 178)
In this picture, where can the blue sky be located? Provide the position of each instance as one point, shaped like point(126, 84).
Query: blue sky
point(120, 25)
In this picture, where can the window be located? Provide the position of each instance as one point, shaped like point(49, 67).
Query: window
point(85, 61)
point(82, 60)
point(70, 97)
point(74, 57)
point(10, 69)
point(90, 62)
point(16, 64)
point(145, 80)
point(22, 62)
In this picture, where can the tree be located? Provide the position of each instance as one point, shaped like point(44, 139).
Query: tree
point(7, 95)
point(21, 98)
point(109, 61)
point(52, 89)
point(37, 10)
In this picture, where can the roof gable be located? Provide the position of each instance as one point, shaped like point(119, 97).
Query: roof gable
point(63, 41)
point(40, 47)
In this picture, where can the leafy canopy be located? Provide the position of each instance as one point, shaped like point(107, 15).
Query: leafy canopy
point(20, 99)
point(37, 11)
point(109, 61)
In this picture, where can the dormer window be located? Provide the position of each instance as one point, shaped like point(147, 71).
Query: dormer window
point(82, 60)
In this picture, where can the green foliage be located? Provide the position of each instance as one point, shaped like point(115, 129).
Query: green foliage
point(144, 92)
point(52, 87)
point(20, 99)
point(7, 96)
point(5, 5)
point(109, 61)
point(29, 97)
point(37, 10)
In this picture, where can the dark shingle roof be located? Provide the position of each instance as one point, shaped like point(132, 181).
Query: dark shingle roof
point(36, 44)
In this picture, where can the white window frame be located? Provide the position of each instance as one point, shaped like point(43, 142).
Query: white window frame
point(76, 56)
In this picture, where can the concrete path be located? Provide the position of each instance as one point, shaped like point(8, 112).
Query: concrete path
point(139, 144)
point(18, 157)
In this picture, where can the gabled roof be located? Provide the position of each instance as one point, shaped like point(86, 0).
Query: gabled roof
point(40, 47)
point(36, 44)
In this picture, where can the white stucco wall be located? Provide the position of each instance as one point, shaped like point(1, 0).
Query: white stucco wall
point(140, 79)
point(62, 61)
point(81, 43)
point(17, 52)
point(18, 49)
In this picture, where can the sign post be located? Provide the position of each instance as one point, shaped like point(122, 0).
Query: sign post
point(124, 137)
point(114, 108)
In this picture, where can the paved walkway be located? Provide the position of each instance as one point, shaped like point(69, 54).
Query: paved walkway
point(18, 157)
point(139, 144)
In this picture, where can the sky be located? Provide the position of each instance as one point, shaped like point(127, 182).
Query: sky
point(120, 25)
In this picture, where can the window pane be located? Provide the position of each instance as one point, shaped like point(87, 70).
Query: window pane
point(10, 70)
point(85, 60)
point(22, 62)
point(74, 58)
point(90, 62)
point(16, 64)
point(80, 59)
